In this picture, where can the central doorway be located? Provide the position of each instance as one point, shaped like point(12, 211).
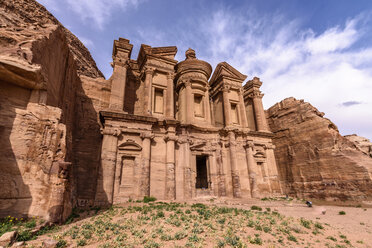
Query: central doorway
point(201, 172)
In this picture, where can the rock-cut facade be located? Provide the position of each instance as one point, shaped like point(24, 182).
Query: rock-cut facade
point(176, 131)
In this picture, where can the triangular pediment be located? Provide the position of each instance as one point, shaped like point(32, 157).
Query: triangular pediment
point(223, 69)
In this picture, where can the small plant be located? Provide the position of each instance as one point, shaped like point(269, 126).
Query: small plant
point(318, 225)
point(342, 213)
point(31, 224)
point(61, 243)
point(147, 199)
point(305, 223)
point(292, 238)
point(81, 242)
point(256, 208)
point(332, 238)
point(24, 235)
point(160, 214)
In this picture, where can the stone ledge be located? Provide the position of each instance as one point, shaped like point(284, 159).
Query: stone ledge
point(122, 116)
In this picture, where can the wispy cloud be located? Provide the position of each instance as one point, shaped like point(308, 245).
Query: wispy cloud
point(99, 11)
point(350, 103)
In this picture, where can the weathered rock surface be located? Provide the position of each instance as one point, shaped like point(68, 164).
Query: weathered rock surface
point(314, 160)
point(8, 238)
point(364, 144)
point(50, 92)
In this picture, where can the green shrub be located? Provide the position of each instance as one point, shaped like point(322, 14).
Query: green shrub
point(305, 223)
point(342, 213)
point(147, 199)
point(256, 208)
point(24, 235)
point(318, 225)
point(61, 243)
point(31, 223)
point(292, 238)
point(81, 242)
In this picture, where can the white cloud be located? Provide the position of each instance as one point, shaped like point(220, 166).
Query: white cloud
point(96, 11)
point(322, 68)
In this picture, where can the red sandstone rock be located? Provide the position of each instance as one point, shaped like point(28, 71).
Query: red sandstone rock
point(50, 92)
point(314, 160)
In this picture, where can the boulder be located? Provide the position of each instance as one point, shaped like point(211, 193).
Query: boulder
point(8, 238)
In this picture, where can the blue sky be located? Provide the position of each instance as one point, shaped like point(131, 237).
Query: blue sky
point(319, 50)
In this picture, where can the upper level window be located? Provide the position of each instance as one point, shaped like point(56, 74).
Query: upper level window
point(158, 101)
point(234, 114)
point(198, 106)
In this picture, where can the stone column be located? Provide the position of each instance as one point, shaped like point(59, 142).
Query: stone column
point(106, 174)
point(171, 177)
point(148, 90)
point(207, 106)
point(243, 113)
point(272, 169)
point(259, 111)
point(252, 166)
point(170, 95)
point(226, 105)
point(118, 82)
point(220, 171)
point(234, 171)
point(181, 168)
point(146, 158)
point(189, 106)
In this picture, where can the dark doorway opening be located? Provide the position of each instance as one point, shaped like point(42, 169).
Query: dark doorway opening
point(201, 172)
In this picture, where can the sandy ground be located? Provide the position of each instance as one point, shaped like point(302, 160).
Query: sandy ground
point(356, 224)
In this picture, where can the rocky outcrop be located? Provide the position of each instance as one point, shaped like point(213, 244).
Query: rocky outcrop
point(314, 160)
point(362, 143)
point(50, 94)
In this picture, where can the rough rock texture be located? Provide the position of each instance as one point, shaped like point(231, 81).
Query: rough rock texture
point(313, 159)
point(362, 143)
point(50, 94)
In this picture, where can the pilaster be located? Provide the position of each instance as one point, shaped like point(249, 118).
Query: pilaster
point(189, 107)
point(170, 161)
point(252, 166)
point(106, 174)
point(149, 72)
point(226, 105)
point(234, 171)
point(243, 113)
point(146, 158)
point(170, 96)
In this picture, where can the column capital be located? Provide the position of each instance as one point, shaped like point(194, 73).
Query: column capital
point(187, 82)
point(249, 144)
point(182, 140)
point(255, 94)
point(147, 135)
point(226, 88)
point(149, 70)
point(121, 62)
point(170, 75)
point(111, 131)
point(170, 137)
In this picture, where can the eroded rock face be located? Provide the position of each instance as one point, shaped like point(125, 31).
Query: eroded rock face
point(50, 92)
point(362, 143)
point(314, 160)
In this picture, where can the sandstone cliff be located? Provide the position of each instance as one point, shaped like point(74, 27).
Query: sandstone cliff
point(362, 143)
point(314, 160)
point(50, 94)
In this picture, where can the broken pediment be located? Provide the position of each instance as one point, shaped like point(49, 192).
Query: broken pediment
point(223, 69)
